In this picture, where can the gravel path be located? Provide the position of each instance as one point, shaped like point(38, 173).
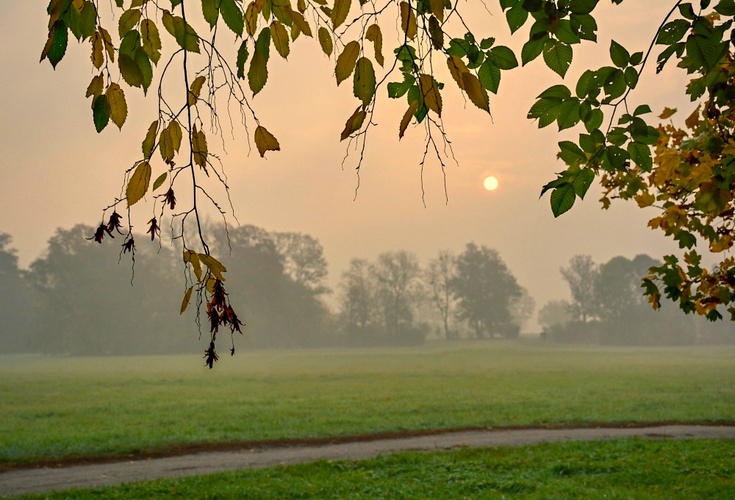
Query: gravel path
point(16, 482)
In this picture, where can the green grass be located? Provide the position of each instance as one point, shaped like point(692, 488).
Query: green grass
point(55, 408)
point(627, 468)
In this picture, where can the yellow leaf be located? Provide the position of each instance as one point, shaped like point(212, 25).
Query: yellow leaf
point(408, 20)
point(98, 57)
point(667, 113)
point(107, 40)
point(95, 86)
point(346, 61)
point(354, 123)
point(325, 40)
point(195, 90)
point(430, 92)
point(215, 267)
point(475, 91)
point(265, 141)
point(300, 22)
point(437, 8)
point(251, 18)
point(407, 118)
point(150, 140)
point(174, 130)
point(199, 147)
point(374, 35)
point(192, 258)
point(186, 300)
point(340, 11)
point(457, 68)
point(138, 183)
point(645, 199)
point(118, 106)
point(693, 120)
point(165, 146)
point(280, 39)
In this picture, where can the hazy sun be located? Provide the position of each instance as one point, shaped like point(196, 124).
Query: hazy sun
point(491, 183)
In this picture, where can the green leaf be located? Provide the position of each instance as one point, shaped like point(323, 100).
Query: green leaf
point(558, 57)
point(138, 183)
point(210, 11)
point(672, 32)
point(571, 154)
point(532, 49)
point(100, 112)
point(489, 75)
point(242, 57)
point(640, 154)
point(364, 81)
point(568, 114)
point(182, 32)
point(582, 182)
point(232, 16)
point(516, 17)
point(160, 180)
point(502, 57)
point(562, 199)
point(56, 46)
point(594, 120)
point(582, 6)
point(619, 55)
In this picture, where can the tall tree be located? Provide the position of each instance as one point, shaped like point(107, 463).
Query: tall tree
point(359, 308)
point(303, 260)
point(16, 302)
point(438, 275)
point(398, 286)
point(685, 174)
point(581, 275)
point(485, 290)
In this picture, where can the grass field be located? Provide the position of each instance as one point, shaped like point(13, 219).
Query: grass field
point(56, 408)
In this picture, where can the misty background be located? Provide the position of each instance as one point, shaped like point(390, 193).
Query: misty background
point(75, 300)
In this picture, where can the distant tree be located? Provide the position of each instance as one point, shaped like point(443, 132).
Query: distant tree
point(398, 287)
point(625, 315)
point(521, 310)
point(438, 275)
point(86, 307)
point(16, 304)
point(485, 290)
point(358, 302)
point(555, 313)
point(303, 260)
point(282, 311)
point(581, 275)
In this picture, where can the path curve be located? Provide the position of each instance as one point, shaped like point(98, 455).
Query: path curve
point(39, 480)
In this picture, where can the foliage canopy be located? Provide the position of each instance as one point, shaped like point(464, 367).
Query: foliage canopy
point(686, 173)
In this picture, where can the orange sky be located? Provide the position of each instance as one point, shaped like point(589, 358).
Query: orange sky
point(57, 171)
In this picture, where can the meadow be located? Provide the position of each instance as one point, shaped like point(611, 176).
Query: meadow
point(56, 408)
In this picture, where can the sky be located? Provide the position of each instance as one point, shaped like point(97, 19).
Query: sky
point(56, 171)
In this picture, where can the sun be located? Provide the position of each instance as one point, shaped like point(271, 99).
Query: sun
point(490, 183)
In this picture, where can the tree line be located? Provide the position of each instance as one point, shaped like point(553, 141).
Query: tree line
point(608, 306)
point(69, 301)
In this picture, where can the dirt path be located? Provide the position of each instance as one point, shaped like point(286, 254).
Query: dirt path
point(39, 480)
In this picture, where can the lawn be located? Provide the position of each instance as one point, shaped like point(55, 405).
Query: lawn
point(56, 408)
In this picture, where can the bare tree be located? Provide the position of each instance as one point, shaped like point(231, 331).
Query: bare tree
point(439, 275)
point(397, 275)
point(581, 275)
